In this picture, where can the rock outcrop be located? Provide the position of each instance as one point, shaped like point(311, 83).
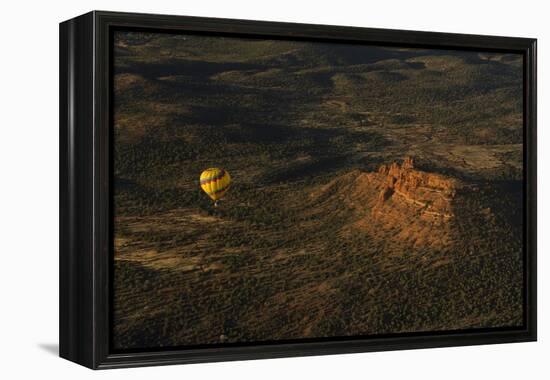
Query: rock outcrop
point(398, 201)
point(431, 193)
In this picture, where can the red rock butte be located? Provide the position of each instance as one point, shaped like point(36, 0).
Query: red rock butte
point(408, 204)
point(431, 193)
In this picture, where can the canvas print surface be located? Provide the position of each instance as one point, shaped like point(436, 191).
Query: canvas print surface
point(274, 190)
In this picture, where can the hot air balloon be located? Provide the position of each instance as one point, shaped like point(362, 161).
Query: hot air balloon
point(215, 182)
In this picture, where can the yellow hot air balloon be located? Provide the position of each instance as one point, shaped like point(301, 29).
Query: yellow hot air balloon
point(215, 182)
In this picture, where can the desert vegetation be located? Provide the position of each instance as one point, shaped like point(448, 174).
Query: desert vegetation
point(318, 235)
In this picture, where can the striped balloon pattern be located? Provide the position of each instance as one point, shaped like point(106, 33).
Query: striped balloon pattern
point(215, 182)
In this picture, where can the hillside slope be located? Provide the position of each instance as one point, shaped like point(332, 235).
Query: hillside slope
point(393, 250)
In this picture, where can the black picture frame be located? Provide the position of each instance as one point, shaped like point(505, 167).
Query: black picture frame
point(85, 187)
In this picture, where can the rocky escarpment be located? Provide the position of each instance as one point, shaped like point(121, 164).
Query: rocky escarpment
point(400, 202)
point(432, 194)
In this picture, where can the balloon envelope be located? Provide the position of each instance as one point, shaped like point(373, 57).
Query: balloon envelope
point(215, 182)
